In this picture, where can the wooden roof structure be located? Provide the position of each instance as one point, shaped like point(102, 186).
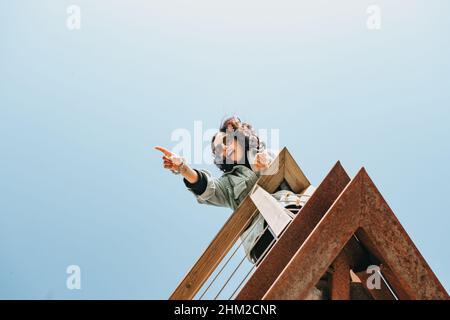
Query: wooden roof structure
point(345, 228)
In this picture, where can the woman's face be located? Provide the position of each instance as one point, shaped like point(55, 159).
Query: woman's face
point(228, 148)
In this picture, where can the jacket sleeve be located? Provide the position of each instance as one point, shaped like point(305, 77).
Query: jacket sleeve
point(198, 187)
point(216, 190)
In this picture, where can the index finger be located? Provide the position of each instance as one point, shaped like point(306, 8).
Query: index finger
point(164, 150)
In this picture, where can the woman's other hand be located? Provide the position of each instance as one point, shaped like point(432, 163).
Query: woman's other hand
point(261, 161)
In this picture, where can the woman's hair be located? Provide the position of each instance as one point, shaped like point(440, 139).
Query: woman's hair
point(244, 133)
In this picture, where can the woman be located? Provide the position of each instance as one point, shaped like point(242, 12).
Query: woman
point(243, 158)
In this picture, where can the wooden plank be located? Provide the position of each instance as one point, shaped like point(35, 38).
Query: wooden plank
point(293, 175)
point(271, 182)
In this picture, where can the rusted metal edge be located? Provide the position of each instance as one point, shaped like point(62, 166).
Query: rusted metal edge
point(321, 247)
point(296, 233)
point(359, 209)
point(384, 235)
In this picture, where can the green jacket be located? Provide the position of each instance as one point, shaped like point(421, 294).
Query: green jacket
point(228, 190)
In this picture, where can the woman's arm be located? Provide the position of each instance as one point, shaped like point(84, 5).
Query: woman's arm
point(189, 174)
point(207, 189)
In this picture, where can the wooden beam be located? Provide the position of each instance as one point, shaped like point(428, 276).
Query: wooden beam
point(271, 182)
point(293, 175)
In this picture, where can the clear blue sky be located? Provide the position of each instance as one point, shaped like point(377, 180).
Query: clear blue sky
point(81, 110)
